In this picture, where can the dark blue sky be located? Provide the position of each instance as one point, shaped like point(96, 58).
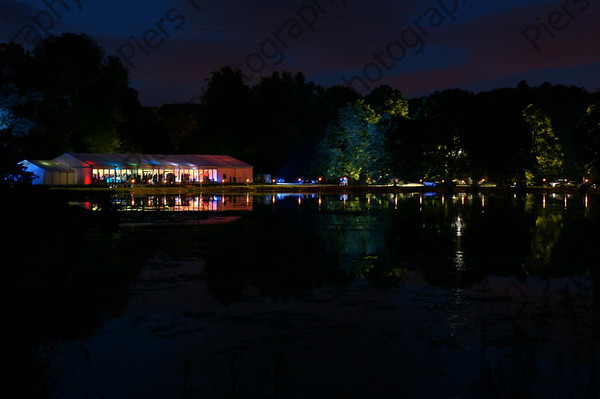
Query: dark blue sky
point(416, 46)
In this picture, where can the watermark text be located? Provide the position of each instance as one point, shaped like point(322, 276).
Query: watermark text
point(412, 39)
point(271, 49)
point(548, 27)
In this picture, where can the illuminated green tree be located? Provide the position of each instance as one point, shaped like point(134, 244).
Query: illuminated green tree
point(589, 142)
point(386, 100)
point(545, 145)
point(354, 145)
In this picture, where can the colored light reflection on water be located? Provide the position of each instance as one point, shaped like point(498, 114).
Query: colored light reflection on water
point(417, 295)
point(183, 203)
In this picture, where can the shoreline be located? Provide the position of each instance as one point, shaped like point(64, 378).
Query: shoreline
point(257, 189)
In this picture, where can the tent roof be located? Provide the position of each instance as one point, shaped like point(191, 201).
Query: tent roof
point(49, 165)
point(128, 160)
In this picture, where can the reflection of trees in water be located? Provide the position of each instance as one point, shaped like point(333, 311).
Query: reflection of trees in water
point(464, 236)
point(65, 270)
point(459, 236)
point(564, 236)
point(357, 240)
point(545, 233)
point(544, 236)
point(546, 338)
point(359, 234)
point(278, 254)
point(287, 253)
point(379, 236)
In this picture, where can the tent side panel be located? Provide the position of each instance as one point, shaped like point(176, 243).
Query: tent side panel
point(237, 174)
point(39, 174)
point(83, 176)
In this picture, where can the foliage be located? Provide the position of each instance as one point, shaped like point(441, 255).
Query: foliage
point(386, 100)
point(354, 145)
point(588, 133)
point(83, 91)
point(444, 119)
point(288, 116)
point(14, 129)
point(68, 95)
point(225, 112)
point(546, 147)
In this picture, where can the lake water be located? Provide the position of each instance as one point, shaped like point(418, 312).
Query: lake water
point(415, 295)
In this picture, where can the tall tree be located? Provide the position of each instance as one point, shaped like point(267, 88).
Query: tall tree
point(446, 118)
point(178, 121)
point(546, 148)
point(225, 115)
point(288, 116)
point(499, 140)
point(83, 94)
point(588, 138)
point(386, 100)
point(16, 100)
point(354, 145)
point(13, 130)
point(404, 149)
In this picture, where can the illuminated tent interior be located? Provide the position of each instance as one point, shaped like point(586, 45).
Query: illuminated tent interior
point(87, 169)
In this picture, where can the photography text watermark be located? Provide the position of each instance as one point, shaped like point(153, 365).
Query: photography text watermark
point(271, 49)
point(548, 27)
point(153, 37)
point(412, 38)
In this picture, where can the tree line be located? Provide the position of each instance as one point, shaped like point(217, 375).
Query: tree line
point(67, 95)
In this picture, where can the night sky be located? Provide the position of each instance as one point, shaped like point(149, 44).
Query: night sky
point(171, 47)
